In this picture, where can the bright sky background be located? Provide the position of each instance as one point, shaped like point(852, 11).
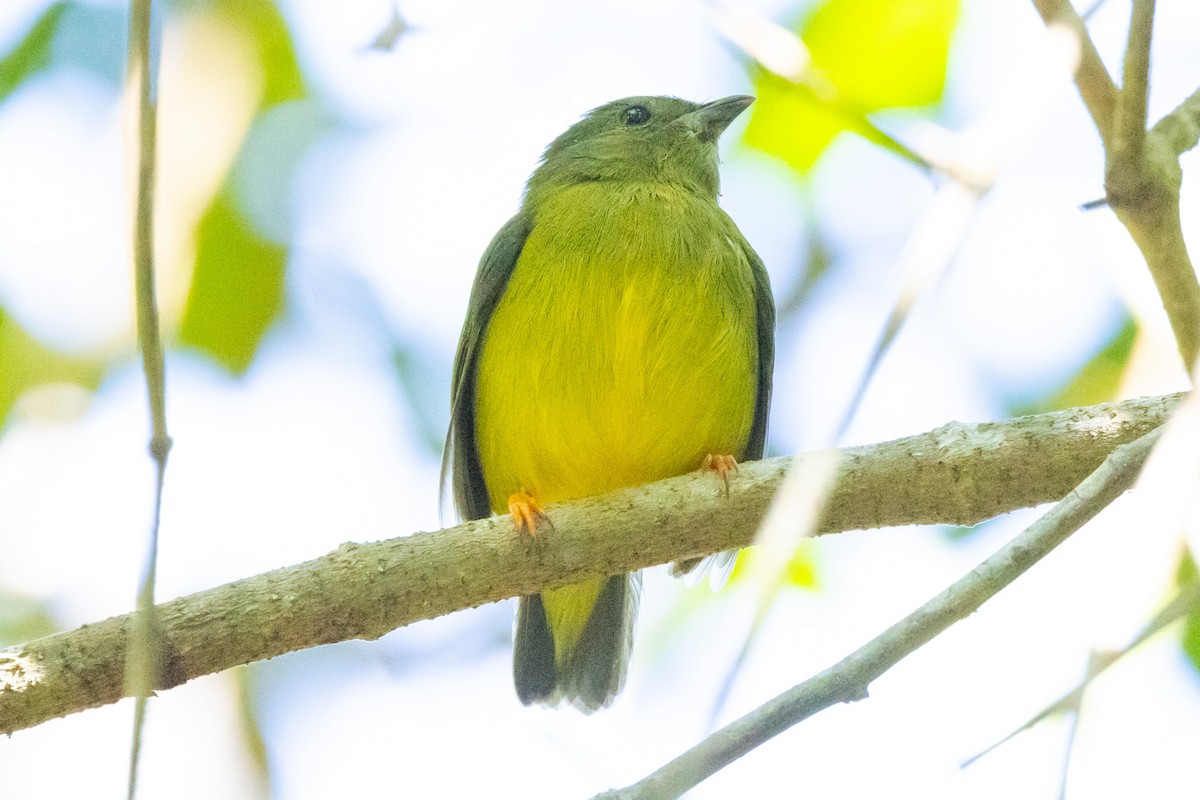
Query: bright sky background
point(319, 443)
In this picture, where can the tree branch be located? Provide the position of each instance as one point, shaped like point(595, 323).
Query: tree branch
point(1186, 601)
point(847, 681)
point(1179, 131)
point(1129, 123)
point(1096, 87)
point(1142, 180)
point(1142, 176)
point(1143, 185)
point(958, 473)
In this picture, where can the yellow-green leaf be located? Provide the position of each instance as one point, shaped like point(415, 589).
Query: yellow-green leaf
point(801, 570)
point(883, 53)
point(33, 53)
point(867, 55)
point(1100, 378)
point(1190, 638)
point(25, 363)
point(284, 80)
point(1097, 381)
point(237, 288)
point(788, 122)
point(23, 618)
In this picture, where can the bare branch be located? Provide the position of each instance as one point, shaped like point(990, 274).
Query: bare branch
point(847, 681)
point(1096, 86)
point(1129, 124)
point(1179, 131)
point(1142, 175)
point(1185, 601)
point(958, 473)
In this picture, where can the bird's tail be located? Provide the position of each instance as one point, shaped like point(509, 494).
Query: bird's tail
point(587, 666)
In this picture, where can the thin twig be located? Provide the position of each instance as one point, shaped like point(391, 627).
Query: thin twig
point(1185, 601)
point(1073, 732)
point(847, 681)
point(1129, 124)
point(1142, 176)
point(1095, 84)
point(147, 640)
point(1179, 131)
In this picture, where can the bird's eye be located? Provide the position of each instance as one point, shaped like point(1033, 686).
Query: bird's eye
point(635, 115)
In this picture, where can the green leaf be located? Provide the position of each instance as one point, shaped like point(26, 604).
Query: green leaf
point(867, 55)
point(802, 570)
point(33, 53)
point(1190, 637)
point(281, 70)
point(24, 618)
point(237, 288)
point(883, 53)
point(1097, 381)
point(238, 282)
point(789, 122)
point(25, 362)
point(1100, 378)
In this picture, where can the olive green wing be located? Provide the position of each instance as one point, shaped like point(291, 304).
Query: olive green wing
point(461, 474)
point(765, 307)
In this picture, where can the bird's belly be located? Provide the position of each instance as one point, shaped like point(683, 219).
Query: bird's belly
point(607, 378)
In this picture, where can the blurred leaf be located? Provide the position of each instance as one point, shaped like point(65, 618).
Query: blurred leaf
point(24, 618)
point(802, 569)
point(801, 572)
point(1190, 639)
point(238, 282)
point(868, 55)
point(237, 288)
point(883, 53)
point(25, 362)
point(33, 53)
point(1100, 378)
point(1097, 381)
point(281, 70)
point(787, 121)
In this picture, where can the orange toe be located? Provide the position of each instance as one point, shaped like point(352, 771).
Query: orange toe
point(525, 513)
point(721, 465)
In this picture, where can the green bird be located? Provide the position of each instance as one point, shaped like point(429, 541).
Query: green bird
point(620, 331)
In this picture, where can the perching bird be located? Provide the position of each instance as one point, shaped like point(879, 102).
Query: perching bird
point(620, 331)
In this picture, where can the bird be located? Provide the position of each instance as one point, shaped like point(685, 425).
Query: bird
point(620, 330)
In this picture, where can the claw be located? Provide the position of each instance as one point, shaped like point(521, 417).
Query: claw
point(722, 465)
point(525, 513)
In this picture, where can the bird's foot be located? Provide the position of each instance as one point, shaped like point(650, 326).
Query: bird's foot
point(721, 465)
point(526, 512)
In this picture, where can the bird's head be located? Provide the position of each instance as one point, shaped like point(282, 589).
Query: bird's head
point(649, 140)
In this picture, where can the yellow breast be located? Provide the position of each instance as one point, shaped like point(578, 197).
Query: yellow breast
point(623, 350)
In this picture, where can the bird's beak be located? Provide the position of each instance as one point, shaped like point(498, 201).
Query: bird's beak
point(711, 119)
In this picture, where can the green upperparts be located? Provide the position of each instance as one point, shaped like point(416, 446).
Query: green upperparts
point(641, 140)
